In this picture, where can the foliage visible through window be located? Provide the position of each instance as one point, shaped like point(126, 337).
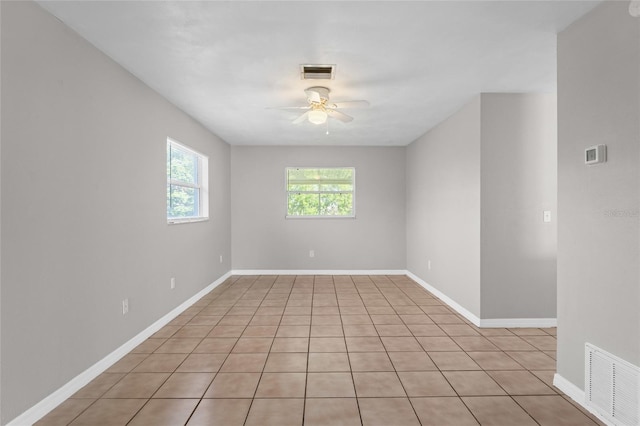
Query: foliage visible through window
point(315, 192)
point(186, 183)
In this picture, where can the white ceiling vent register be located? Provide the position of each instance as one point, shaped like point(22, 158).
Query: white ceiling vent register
point(612, 387)
point(317, 72)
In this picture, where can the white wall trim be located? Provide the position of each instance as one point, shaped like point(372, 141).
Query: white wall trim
point(50, 402)
point(519, 323)
point(318, 272)
point(577, 394)
point(43, 407)
point(446, 299)
point(485, 323)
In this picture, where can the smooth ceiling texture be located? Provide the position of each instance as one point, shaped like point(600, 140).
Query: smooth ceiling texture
point(226, 63)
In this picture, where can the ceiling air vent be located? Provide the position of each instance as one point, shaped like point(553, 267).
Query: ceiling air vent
point(317, 72)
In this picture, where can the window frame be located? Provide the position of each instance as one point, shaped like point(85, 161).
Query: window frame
point(202, 184)
point(353, 193)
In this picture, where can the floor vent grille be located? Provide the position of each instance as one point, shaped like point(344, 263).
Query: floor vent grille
point(612, 387)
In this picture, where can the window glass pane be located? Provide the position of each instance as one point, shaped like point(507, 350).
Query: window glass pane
point(187, 175)
point(303, 204)
point(302, 180)
point(339, 204)
point(336, 187)
point(343, 175)
point(320, 192)
point(182, 201)
point(183, 166)
point(302, 175)
point(303, 188)
point(320, 180)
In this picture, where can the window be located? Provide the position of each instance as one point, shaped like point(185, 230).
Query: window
point(187, 178)
point(315, 192)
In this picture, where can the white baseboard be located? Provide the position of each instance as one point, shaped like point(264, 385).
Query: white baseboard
point(43, 407)
point(485, 323)
point(577, 394)
point(519, 323)
point(318, 272)
point(446, 299)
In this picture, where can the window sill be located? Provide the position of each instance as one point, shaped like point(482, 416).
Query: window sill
point(186, 220)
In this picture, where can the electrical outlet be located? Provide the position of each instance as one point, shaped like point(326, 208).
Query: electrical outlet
point(220, 258)
point(173, 283)
point(125, 306)
point(546, 216)
point(428, 264)
point(312, 253)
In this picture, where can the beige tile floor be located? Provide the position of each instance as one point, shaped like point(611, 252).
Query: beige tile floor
point(327, 350)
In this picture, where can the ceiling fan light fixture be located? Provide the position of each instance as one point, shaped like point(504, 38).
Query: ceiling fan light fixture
point(317, 116)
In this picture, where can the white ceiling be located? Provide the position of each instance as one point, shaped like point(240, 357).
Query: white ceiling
point(417, 62)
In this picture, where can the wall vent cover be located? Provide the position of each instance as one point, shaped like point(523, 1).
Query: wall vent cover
point(612, 387)
point(317, 72)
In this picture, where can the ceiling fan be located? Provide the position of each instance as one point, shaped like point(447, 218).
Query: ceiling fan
point(320, 108)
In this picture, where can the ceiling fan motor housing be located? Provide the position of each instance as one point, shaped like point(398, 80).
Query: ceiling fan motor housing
point(323, 92)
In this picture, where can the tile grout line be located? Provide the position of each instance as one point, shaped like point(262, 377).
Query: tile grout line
point(221, 364)
point(226, 357)
point(393, 365)
point(165, 381)
point(483, 370)
point(170, 374)
point(395, 294)
point(255, 392)
point(353, 382)
point(306, 375)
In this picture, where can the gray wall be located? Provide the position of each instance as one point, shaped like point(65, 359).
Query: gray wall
point(519, 182)
point(477, 186)
point(443, 207)
point(598, 229)
point(84, 207)
point(264, 239)
point(1, 422)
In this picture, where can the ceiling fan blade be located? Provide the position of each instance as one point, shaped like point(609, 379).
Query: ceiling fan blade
point(291, 107)
point(339, 115)
point(313, 96)
point(350, 104)
point(301, 118)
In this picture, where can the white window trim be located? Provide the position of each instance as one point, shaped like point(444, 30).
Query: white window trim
point(300, 217)
point(202, 186)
